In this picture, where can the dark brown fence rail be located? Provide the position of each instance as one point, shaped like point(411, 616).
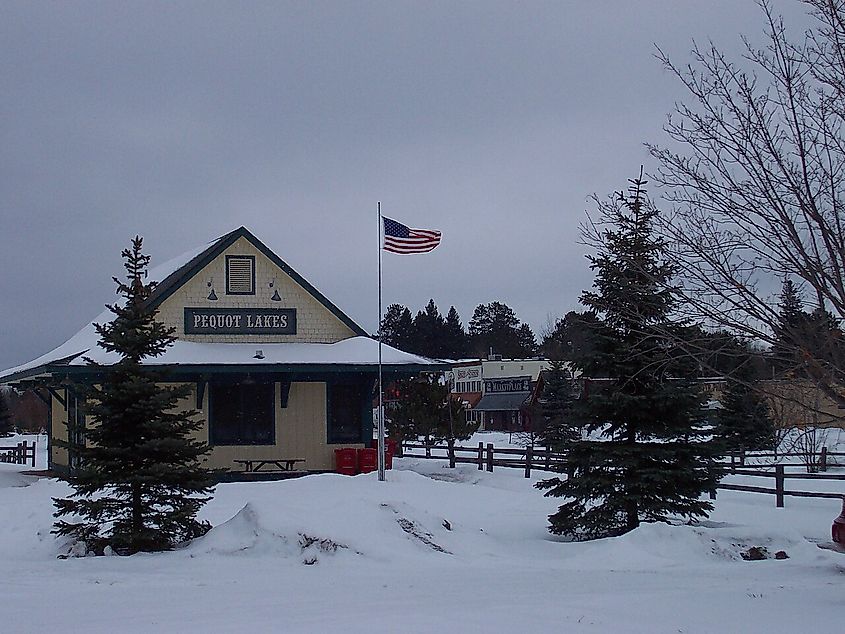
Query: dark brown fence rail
point(19, 453)
point(486, 456)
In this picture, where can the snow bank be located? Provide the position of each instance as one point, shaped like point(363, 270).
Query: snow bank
point(439, 549)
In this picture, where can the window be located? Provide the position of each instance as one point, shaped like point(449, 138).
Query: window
point(242, 414)
point(346, 407)
point(240, 275)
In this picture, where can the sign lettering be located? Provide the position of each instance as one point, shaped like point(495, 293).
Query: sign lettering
point(240, 321)
point(518, 384)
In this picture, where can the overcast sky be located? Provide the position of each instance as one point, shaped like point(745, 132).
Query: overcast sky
point(491, 121)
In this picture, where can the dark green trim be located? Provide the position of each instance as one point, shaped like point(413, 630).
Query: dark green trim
point(200, 393)
point(262, 368)
point(41, 397)
point(175, 280)
point(284, 395)
point(56, 396)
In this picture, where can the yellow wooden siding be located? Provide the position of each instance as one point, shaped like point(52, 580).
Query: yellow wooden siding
point(315, 322)
point(58, 427)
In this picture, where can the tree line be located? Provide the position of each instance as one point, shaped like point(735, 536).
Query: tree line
point(493, 327)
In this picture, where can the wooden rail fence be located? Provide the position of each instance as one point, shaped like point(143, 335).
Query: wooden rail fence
point(486, 456)
point(18, 454)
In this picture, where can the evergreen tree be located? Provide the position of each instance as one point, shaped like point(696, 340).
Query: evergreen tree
point(527, 343)
point(744, 422)
point(495, 326)
point(139, 483)
point(7, 427)
point(560, 429)
point(790, 321)
point(397, 327)
point(456, 344)
point(426, 410)
point(430, 332)
point(651, 461)
point(572, 337)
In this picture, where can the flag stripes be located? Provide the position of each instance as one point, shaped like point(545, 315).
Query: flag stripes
point(401, 239)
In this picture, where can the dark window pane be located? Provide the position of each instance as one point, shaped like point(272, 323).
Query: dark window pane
point(242, 414)
point(346, 403)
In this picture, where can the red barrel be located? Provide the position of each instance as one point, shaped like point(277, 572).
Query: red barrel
point(838, 528)
point(346, 461)
point(367, 460)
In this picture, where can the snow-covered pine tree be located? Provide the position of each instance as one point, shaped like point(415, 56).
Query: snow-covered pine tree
point(744, 422)
point(139, 482)
point(650, 460)
point(560, 429)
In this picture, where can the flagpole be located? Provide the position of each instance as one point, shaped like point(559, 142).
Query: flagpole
point(380, 386)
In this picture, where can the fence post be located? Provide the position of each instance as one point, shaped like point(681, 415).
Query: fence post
point(570, 470)
point(20, 453)
point(489, 456)
point(528, 457)
point(451, 454)
point(742, 457)
point(733, 462)
point(779, 485)
point(481, 456)
point(548, 458)
point(823, 459)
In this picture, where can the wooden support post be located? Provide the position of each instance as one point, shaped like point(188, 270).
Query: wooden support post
point(489, 456)
point(528, 456)
point(548, 458)
point(742, 457)
point(779, 485)
point(733, 462)
point(481, 456)
point(451, 453)
point(823, 459)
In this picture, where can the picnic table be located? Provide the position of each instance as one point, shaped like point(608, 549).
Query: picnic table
point(252, 465)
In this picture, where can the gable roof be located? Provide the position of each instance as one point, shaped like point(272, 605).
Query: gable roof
point(174, 273)
point(181, 275)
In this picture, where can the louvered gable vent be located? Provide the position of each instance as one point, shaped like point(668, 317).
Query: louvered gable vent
point(240, 275)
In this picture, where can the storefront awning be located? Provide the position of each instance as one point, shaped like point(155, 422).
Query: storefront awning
point(502, 402)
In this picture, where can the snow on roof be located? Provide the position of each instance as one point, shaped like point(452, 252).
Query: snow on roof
point(86, 339)
point(352, 351)
point(355, 351)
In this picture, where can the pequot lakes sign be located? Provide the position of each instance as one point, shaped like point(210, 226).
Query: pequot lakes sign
point(240, 321)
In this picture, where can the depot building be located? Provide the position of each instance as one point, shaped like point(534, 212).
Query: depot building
point(277, 371)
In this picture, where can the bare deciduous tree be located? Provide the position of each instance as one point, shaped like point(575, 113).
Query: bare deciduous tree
point(755, 174)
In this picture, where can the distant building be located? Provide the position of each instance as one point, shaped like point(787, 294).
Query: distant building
point(498, 393)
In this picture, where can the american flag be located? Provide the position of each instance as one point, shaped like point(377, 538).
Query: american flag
point(401, 239)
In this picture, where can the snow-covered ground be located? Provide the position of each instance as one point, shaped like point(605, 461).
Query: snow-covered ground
point(430, 550)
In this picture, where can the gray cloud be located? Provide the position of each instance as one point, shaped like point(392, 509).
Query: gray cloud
point(491, 121)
